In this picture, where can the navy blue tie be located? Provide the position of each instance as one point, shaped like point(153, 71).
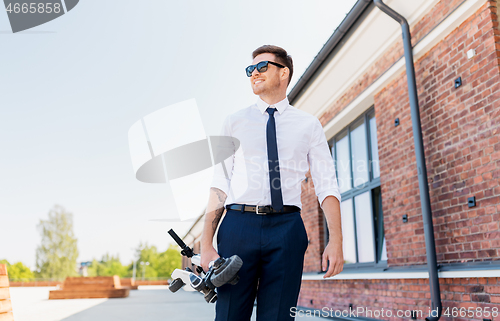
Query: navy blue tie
point(274, 166)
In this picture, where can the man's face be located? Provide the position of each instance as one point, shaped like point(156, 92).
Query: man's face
point(269, 81)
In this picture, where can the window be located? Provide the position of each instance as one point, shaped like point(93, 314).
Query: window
point(355, 152)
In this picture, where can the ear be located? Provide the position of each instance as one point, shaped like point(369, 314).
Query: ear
point(284, 73)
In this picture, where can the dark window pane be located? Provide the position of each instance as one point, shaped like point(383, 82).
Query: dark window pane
point(379, 224)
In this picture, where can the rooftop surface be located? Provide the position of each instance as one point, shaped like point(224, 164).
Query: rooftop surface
point(151, 303)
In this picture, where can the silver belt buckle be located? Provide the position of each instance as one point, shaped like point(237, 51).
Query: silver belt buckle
point(257, 211)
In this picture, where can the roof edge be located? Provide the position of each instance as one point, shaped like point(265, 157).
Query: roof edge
point(335, 39)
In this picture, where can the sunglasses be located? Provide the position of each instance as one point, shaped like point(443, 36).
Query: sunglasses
point(261, 67)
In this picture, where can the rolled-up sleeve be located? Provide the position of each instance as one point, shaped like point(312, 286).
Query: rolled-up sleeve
point(223, 149)
point(321, 165)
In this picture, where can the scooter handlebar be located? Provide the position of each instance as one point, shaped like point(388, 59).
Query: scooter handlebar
point(186, 250)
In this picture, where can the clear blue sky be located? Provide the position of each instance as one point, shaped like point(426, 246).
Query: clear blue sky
point(70, 90)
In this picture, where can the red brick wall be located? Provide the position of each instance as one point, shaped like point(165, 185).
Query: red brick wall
point(460, 129)
point(404, 295)
point(385, 101)
point(461, 145)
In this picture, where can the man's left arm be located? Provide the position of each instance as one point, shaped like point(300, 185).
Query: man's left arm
point(333, 253)
point(325, 184)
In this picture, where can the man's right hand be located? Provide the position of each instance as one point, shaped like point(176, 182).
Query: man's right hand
point(207, 256)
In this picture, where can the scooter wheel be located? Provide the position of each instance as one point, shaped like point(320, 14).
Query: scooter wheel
point(227, 271)
point(175, 285)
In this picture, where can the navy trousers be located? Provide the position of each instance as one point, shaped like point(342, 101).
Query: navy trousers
point(272, 248)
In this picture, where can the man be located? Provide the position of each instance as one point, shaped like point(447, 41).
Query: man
point(262, 185)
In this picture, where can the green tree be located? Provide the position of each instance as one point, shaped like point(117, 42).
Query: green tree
point(56, 255)
point(168, 261)
point(146, 253)
point(95, 269)
point(108, 266)
point(161, 264)
point(18, 271)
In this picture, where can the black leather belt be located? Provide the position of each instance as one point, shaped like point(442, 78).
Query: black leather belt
point(262, 210)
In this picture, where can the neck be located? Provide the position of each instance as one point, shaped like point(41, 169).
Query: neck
point(273, 99)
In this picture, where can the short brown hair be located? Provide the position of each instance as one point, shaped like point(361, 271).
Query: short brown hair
point(281, 55)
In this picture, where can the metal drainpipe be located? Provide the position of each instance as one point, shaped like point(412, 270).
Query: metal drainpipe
point(430, 246)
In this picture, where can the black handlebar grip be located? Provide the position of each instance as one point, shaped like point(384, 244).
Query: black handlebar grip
point(186, 250)
point(176, 238)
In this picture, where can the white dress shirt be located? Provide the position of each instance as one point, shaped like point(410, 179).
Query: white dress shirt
point(302, 146)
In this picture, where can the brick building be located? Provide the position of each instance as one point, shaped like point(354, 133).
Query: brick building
point(357, 87)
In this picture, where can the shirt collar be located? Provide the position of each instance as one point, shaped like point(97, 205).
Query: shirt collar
point(280, 106)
